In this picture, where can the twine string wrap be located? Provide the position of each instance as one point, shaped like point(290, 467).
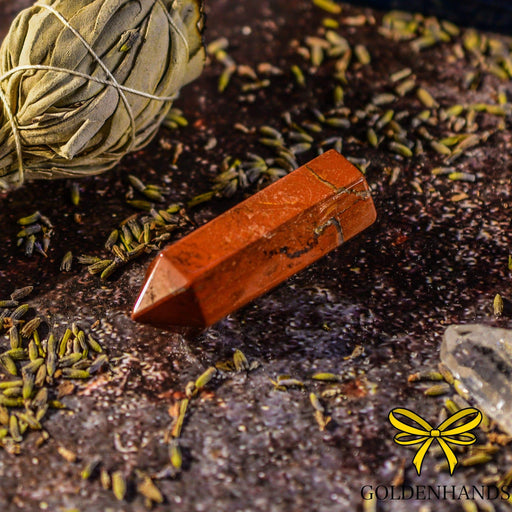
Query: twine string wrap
point(84, 131)
point(17, 141)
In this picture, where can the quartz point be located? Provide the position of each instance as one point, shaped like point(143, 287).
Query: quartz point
point(481, 358)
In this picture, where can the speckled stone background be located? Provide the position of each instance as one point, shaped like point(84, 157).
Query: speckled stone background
point(430, 260)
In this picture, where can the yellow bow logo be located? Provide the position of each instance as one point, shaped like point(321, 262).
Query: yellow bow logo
point(425, 436)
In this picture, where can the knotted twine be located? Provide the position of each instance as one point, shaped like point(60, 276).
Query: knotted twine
point(84, 82)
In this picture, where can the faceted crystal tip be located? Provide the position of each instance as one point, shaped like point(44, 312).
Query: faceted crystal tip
point(166, 298)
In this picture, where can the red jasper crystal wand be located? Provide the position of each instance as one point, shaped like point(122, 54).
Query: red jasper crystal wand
point(256, 245)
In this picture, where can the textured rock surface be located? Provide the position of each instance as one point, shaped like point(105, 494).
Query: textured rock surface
point(481, 358)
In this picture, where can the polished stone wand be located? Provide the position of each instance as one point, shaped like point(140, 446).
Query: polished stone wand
point(256, 245)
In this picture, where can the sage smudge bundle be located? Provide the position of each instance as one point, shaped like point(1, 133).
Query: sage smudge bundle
point(84, 82)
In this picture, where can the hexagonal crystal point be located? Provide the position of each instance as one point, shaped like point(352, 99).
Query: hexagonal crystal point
point(257, 244)
point(481, 358)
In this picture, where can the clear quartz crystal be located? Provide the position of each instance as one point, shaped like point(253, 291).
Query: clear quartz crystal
point(481, 358)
